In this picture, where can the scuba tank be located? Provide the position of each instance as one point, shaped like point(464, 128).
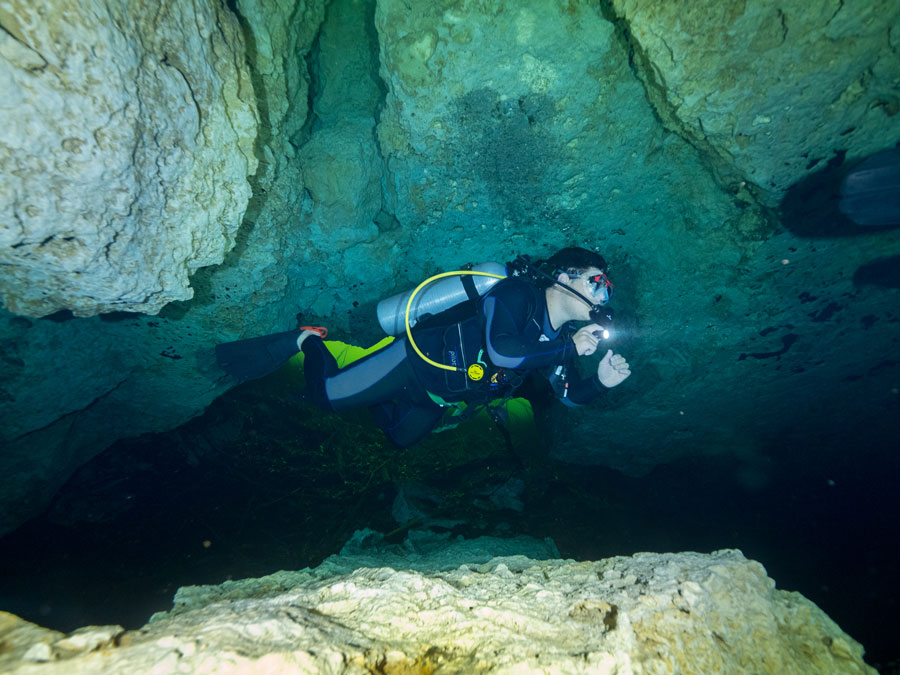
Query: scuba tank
point(436, 297)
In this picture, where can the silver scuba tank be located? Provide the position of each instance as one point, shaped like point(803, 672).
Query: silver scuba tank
point(434, 298)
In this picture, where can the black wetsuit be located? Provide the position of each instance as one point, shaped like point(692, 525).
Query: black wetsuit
point(510, 335)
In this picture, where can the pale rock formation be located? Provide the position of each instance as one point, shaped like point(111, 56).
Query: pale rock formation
point(278, 37)
point(649, 613)
point(68, 389)
point(771, 92)
point(126, 143)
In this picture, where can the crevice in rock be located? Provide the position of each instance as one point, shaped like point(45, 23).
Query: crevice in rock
point(719, 164)
point(372, 35)
point(72, 416)
point(15, 33)
point(313, 93)
point(836, 12)
point(386, 220)
point(200, 279)
point(166, 61)
point(347, 44)
point(264, 133)
point(782, 17)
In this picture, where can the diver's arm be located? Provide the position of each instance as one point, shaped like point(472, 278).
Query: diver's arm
point(613, 369)
point(587, 339)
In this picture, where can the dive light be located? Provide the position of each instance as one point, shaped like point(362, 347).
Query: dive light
point(603, 317)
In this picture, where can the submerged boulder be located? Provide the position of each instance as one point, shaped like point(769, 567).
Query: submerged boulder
point(442, 604)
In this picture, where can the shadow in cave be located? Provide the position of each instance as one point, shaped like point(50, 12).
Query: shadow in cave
point(884, 272)
point(811, 208)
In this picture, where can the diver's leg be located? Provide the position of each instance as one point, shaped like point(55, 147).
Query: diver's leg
point(406, 423)
point(376, 378)
point(318, 366)
point(256, 357)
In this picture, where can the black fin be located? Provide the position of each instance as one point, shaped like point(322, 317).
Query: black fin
point(256, 357)
point(870, 193)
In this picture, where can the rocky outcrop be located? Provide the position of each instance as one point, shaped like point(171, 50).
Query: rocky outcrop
point(341, 161)
point(770, 93)
point(125, 149)
point(453, 606)
point(69, 387)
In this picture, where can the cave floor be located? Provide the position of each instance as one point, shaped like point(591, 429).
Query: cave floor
point(263, 482)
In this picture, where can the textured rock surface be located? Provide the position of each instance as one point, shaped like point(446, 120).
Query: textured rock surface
point(519, 127)
point(125, 148)
point(771, 92)
point(433, 610)
point(341, 162)
point(69, 388)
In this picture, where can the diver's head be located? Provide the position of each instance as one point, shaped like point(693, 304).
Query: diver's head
point(575, 284)
point(587, 267)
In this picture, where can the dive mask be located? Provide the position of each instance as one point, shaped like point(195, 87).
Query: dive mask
point(601, 287)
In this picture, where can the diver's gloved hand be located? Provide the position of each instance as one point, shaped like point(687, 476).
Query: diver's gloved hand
point(585, 340)
point(613, 369)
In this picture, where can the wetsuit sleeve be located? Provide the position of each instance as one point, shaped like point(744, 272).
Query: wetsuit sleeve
point(511, 341)
point(584, 391)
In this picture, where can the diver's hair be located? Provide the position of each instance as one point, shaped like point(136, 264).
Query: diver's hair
point(571, 260)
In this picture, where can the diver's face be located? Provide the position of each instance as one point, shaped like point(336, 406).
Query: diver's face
point(597, 284)
point(591, 284)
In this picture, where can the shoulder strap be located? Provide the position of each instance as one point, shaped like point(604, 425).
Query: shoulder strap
point(468, 282)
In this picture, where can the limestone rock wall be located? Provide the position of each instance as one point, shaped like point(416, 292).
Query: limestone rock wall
point(685, 612)
point(341, 162)
point(125, 148)
point(71, 387)
point(771, 92)
point(514, 128)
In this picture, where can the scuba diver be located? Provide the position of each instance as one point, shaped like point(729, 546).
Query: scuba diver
point(472, 345)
